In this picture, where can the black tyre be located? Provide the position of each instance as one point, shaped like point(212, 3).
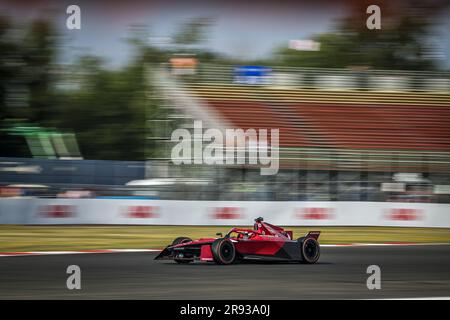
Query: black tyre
point(310, 250)
point(223, 251)
point(180, 240)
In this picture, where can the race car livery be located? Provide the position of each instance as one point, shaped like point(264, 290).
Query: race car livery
point(264, 242)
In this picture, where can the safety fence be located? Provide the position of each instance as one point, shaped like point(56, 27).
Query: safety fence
point(162, 212)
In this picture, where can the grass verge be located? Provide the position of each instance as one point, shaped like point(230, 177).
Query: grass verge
point(55, 238)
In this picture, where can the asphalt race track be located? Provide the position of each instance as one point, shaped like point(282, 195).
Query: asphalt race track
point(406, 272)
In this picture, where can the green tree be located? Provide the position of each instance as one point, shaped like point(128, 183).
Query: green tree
point(25, 78)
point(107, 111)
point(401, 43)
point(38, 53)
point(192, 32)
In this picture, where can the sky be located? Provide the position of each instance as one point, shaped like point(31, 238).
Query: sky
point(250, 31)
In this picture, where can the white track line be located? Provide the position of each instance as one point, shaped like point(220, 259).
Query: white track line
point(382, 244)
point(40, 253)
point(419, 298)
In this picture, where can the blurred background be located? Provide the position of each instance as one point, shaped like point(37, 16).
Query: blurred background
point(87, 115)
point(364, 115)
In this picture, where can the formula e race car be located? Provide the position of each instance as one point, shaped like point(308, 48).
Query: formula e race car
point(264, 242)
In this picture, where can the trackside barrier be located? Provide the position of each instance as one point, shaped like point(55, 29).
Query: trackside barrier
point(170, 212)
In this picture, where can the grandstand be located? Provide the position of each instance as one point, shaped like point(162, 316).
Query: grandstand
point(340, 131)
point(376, 130)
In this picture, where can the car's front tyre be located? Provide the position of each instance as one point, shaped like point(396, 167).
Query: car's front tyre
point(223, 251)
point(178, 258)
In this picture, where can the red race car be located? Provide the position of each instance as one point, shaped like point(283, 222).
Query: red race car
point(264, 242)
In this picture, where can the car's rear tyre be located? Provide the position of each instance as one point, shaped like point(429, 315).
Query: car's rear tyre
point(181, 240)
point(310, 250)
point(223, 251)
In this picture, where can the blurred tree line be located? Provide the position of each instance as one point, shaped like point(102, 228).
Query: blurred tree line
point(107, 108)
point(402, 43)
point(25, 80)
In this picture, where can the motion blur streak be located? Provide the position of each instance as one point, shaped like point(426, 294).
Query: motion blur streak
point(363, 115)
